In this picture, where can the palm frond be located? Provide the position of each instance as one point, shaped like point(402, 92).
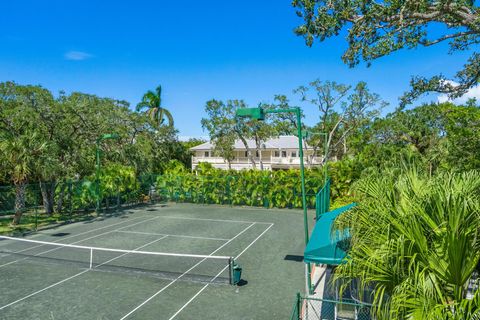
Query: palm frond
point(414, 239)
point(159, 95)
point(153, 102)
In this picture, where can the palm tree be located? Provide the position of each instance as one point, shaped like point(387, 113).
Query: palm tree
point(415, 245)
point(153, 102)
point(20, 157)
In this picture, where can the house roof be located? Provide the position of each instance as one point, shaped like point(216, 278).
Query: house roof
point(281, 142)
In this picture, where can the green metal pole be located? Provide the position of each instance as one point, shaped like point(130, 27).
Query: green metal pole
point(257, 113)
point(325, 168)
point(97, 178)
point(302, 173)
point(304, 196)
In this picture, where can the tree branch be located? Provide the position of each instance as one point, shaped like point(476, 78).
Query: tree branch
point(446, 37)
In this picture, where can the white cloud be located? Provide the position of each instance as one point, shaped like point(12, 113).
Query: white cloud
point(473, 92)
point(77, 55)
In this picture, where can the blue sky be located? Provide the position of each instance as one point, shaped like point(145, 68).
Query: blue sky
point(197, 50)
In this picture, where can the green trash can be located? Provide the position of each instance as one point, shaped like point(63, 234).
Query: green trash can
point(237, 274)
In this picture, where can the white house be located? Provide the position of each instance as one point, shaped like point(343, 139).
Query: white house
point(276, 153)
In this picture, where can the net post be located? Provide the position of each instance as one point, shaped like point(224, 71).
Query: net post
point(91, 257)
point(231, 262)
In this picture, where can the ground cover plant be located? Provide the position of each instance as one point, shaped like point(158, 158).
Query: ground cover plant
point(280, 189)
point(414, 249)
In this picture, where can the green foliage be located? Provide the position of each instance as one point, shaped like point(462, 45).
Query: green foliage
point(439, 136)
point(117, 178)
point(414, 244)
point(23, 146)
point(192, 142)
point(343, 174)
point(462, 126)
point(279, 189)
point(376, 29)
point(76, 200)
point(153, 102)
point(343, 113)
point(224, 127)
point(53, 139)
point(431, 137)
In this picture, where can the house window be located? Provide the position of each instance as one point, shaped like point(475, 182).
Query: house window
point(284, 154)
point(207, 154)
point(293, 154)
point(276, 154)
point(246, 154)
point(257, 154)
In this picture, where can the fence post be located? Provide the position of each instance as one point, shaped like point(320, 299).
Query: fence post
point(70, 199)
point(151, 188)
point(118, 201)
point(299, 306)
point(36, 211)
point(328, 196)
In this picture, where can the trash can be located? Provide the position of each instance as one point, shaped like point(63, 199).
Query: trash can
point(237, 274)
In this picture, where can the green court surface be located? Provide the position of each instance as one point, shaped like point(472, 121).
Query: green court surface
point(40, 281)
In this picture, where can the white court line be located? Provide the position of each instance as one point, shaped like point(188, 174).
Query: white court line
point(206, 285)
point(39, 291)
point(155, 253)
point(50, 250)
point(76, 235)
point(175, 280)
point(136, 249)
point(69, 278)
point(239, 207)
point(173, 235)
point(217, 220)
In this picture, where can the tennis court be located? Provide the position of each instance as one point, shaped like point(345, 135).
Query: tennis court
point(170, 261)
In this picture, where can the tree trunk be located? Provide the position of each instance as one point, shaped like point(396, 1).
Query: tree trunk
point(259, 151)
point(61, 197)
point(330, 137)
point(19, 201)
point(48, 192)
point(260, 158)
point(315, 152)
point(252, 158)
point(306, 156)
point(249, 152)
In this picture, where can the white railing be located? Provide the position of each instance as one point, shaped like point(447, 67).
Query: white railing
point(270, 160)
point(296, 160)
point(208, 159)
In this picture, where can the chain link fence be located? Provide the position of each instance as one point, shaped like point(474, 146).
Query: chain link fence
point(27, 207)
point(44, 203)
point(309, 308)
point(258, 191)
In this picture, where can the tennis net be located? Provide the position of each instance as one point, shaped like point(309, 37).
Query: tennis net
point(162, 265)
